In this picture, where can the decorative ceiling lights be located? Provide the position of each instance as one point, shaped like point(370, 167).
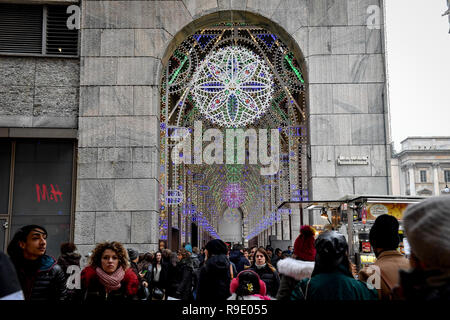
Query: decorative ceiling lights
point(233, 195)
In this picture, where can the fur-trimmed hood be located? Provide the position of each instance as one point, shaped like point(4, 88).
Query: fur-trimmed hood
point(296, 269)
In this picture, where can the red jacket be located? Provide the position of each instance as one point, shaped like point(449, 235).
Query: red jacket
point(93, 289)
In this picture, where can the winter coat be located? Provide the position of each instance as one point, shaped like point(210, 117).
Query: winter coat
point(214, 279)
point(270, 277)
point(93, 290)
point(292, 271)
point(336, 285)
point(141, 290)
point(69, 259)
point(150, 276)
point(239, 260)
point(390, 263)
point(419, 285)
point(195, 261)
point(41, 279)
point(64, 261)
point(10, 288)
point(180, 286)
point(250, 297)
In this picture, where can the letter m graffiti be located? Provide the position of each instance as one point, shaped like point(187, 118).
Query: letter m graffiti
point(41, 193)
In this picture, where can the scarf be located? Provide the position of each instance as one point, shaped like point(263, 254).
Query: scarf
point(110, 281)
point(261, 266)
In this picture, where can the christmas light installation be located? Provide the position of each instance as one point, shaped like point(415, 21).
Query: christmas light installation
point(233, 195)
point(232, 87)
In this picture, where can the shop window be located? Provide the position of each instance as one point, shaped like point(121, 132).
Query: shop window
point(42, 192)
point(36, 29)
point(43, 188)
point(423, 176)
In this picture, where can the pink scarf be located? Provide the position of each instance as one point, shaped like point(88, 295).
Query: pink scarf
point(110, 281)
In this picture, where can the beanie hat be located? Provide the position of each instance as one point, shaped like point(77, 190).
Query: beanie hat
point(384, 233)
point(188, 247)
point(331, 249)
point(427, 226)
point(304, 244)
point(132, 254)
point(252, 282)
point(216, 246)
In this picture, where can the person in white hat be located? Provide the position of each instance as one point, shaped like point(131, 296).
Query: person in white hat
point(427, 227)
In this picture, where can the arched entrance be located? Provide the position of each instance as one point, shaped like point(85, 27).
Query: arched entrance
point(234, 128)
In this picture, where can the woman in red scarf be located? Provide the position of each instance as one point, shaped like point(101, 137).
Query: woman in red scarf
point(108, 276)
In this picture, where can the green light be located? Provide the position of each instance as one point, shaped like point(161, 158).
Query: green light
point(174, 76)
point(297, 73)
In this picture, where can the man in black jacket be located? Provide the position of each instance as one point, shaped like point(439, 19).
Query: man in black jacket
point(40, 277)
point(214, 276)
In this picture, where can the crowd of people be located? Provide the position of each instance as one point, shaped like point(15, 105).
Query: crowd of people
point(316, 268)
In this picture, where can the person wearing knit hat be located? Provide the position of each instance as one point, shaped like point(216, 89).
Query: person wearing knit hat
point(304, 244)
point(216, 246)
point(427, 226)
point(384, 239)
point(300, 266)
point(214, 276)
point(332, 278)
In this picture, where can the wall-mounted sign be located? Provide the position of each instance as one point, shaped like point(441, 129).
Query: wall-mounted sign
point(354, 160)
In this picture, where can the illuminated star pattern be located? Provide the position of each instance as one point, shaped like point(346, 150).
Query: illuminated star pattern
point(233, 87)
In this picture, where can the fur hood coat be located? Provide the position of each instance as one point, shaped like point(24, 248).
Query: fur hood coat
point(292, 271)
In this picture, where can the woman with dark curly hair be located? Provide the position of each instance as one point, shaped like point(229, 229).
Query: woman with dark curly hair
point(108, 276)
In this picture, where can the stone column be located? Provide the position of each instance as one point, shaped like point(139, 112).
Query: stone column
point(412, 180)
point(436, 178)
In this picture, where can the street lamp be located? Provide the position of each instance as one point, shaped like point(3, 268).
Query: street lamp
point(324, 215)
point(446, 189)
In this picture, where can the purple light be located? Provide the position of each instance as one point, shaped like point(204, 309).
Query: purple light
point(233, 195)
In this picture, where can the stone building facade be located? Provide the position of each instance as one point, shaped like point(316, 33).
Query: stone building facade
point(110, 94)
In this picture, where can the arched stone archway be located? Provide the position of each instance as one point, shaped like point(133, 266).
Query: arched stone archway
point(124, 48)
point(185, 95)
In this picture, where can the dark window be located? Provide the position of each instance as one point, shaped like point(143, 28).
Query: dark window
point(60, 40)
point(21, 28)
point(36, 29)
point(43, 189)
point(423, 176)
point(447, 176)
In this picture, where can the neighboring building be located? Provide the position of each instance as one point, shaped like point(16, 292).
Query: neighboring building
point(85, 115)
point(422, 167)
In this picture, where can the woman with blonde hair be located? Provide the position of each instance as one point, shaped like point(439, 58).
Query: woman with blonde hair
point(108, 276)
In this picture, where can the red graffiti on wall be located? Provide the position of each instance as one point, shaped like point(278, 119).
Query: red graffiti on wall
point(43, 193)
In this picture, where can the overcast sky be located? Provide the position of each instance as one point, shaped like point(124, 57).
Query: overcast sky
point(418, 53)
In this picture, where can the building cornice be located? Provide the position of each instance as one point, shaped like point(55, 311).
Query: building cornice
point(430, 151)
